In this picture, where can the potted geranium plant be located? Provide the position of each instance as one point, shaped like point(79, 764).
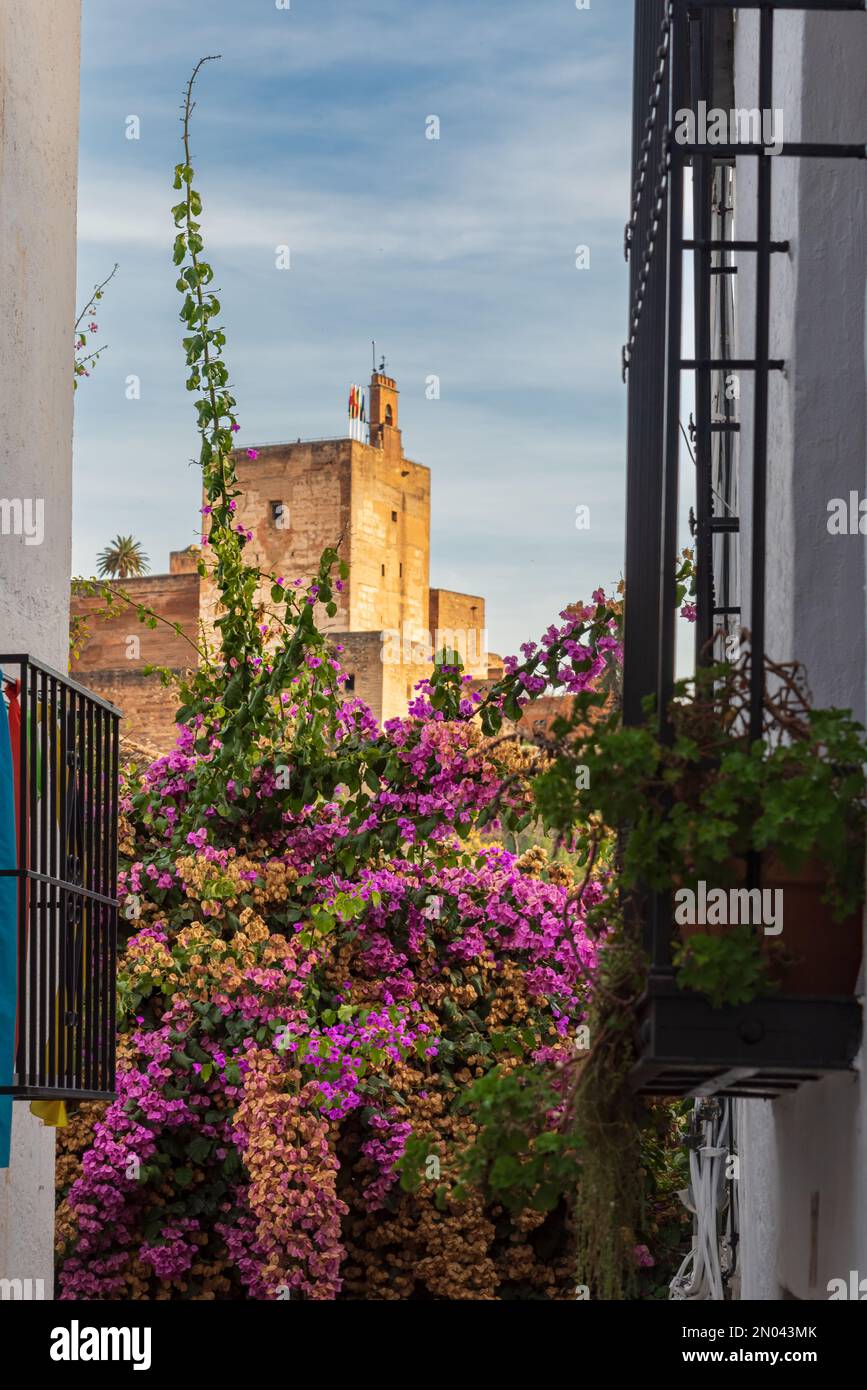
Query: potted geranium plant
point(700, 802)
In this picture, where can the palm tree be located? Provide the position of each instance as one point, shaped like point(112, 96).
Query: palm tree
point(123, 558)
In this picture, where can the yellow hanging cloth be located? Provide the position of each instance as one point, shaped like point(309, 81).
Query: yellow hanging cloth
point(50, 1112)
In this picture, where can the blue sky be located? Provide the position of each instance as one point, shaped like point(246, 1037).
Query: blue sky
point(457, 255)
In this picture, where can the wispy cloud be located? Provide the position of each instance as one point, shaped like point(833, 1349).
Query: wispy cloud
point(458, 254)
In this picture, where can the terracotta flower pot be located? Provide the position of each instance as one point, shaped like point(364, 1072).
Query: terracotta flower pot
point(814, 954)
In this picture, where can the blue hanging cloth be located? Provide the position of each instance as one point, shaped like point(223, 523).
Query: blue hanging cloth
point(8, 931)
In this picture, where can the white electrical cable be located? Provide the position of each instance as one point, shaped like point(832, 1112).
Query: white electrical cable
point(700, 1275)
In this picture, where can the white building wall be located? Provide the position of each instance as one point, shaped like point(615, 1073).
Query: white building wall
point(39, 91)
point(804, 1158)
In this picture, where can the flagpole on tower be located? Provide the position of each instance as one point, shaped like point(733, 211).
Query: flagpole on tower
point(357, 409)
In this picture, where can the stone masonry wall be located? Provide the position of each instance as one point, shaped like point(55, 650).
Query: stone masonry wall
point(174, 598)
point(148, 708)
point(462, 616)
point(390, 549)
point(296, 501)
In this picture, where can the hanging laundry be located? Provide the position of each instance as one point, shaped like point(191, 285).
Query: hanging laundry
point(51, 1112)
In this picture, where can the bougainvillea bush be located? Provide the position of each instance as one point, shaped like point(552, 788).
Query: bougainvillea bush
point(286, 1027)
point(350, 1020)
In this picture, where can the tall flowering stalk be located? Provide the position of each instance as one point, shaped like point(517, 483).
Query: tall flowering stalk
point(215, 408)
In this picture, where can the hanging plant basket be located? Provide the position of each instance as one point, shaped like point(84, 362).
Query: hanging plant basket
point(744, 857)
point(762, 1049)
point(810, 1026)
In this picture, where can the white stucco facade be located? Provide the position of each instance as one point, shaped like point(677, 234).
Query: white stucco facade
point(804, 1158)
point(39, 94)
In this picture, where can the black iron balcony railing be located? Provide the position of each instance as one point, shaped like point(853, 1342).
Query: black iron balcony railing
point(65, 764)
point(688, 1048)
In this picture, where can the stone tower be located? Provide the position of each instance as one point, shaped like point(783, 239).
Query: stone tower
point(370, 501)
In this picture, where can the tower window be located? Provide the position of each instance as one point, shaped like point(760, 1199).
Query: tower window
point(389, 415)
point(394, 516)
point(400, 567)
point(280, 516)
point(350, 683)
point(383, 569)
